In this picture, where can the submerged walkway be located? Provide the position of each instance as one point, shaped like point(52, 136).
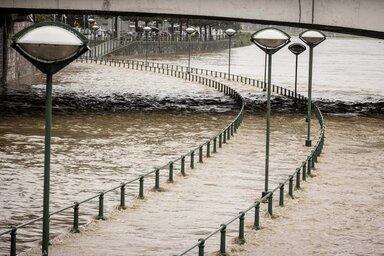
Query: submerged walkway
point(166, 223)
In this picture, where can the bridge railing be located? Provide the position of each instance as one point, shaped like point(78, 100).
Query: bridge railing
point(98, 50)
point(210, 146)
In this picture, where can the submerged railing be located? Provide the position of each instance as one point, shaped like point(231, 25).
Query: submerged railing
point(211, 145)
point(300, 173)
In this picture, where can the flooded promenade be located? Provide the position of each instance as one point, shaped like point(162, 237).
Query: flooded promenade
point(209, 195)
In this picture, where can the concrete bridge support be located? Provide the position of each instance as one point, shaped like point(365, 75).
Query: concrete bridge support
point(12, 65)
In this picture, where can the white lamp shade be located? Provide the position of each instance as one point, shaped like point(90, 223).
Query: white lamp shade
point(270, 38)
point(230, 32)
point(49, 43)
point(190, 30)
point(312, 37)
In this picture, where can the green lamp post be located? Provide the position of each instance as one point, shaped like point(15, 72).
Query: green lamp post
point(311, 38)
point(229, 32)
point(189, 32)
point(296, 49)
point(50, 47)
point(270, 40)
point(146, 30)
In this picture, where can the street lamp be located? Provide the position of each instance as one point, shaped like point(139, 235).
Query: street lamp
point(50, 47)
point(146, 30)
point(94, 30)
point(296, 49)
point(229, 32)
point(189, 32)
point(311, 38)
point(270, 40)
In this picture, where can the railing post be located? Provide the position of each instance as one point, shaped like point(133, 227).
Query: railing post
point(170, 178)
point(229, 133)
point(297, 178)
point(201, 246)
point(75, 228)
point(13, 241)
point(270, 199)
point(290, 186)
point(200, 154)
point(192, 159)
point(141, 188)
point(257, 216)
point(208, 149)
point(220, 140)
point(157, 180)
point(304, 171)
point(225, 136)
point(101, 206)
point(214, 144)
point(182, 167)
point(312, 161)
point(309, 166)
point(222, 238)
point(281, 201)
point(241, 228)
point(122, 197)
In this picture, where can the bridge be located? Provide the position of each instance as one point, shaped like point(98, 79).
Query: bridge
point(358, 17)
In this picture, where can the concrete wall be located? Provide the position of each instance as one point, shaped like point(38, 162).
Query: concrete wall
point(171, 47)
point(12, 65)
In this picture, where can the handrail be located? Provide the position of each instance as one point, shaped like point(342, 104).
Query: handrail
point(305, 168)
point(106, 47)
point(224, 134)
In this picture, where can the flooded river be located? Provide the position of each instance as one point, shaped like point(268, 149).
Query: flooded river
point(112, 124)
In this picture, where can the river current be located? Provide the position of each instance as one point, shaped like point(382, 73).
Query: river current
point(112, 124)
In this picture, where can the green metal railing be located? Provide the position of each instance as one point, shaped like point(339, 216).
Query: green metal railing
point(300, 173)
point(101, 49)
point(210, 146)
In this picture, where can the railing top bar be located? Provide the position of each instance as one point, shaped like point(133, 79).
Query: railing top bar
point(88, 199)
point(61, 210)
point(234, 218)
point(5, 232)
point(27, 223)
point(189, 249)
point(112, 189)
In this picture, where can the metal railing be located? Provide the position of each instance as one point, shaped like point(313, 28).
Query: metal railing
point(300, 173)
point(106, 47)
point(211, 145)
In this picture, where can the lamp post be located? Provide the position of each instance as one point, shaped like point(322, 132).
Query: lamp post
point(265, 71)
point(296, 49)
point(189, 32)
point(146, 30)
point(229, 32)
point(94, 30)
point(270, 40)
point(50, 47)
point(310, 38)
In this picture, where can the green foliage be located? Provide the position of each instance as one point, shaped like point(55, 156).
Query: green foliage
point(242, 40)
point(43, 17)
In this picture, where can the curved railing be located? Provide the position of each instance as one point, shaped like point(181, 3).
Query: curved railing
point(225, 134)
point(211, 145)
point(299, 174)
